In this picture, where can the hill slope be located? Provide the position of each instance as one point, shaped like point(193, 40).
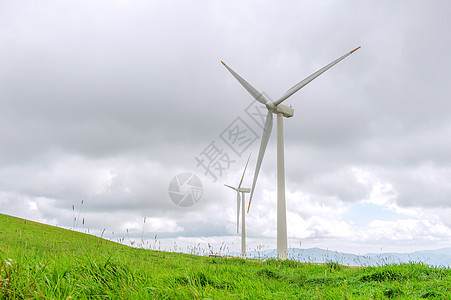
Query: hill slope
point(40, 261)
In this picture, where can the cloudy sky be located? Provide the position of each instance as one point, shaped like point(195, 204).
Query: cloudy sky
point(107, 101)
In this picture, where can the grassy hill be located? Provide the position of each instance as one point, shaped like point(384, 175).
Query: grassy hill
point(46, 262)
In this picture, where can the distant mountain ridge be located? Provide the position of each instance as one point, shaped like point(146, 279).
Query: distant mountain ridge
point(435, 258)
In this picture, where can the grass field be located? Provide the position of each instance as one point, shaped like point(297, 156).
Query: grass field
point(46, 262)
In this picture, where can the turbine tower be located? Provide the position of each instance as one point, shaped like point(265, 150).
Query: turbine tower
point(240, 201)
point(276, 107)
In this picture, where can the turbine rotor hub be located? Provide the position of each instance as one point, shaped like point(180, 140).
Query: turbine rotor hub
point(270, 106)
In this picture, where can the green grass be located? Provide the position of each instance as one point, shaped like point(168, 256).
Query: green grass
point(45, 262)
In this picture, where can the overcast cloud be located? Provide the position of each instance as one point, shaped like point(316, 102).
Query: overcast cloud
point(107, 101)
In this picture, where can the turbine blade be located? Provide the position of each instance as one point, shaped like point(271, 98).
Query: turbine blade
point(256, 94)
point(242, 177)
point(233, 188)
point(238, 200)
point(261, 153)
point(310, 78)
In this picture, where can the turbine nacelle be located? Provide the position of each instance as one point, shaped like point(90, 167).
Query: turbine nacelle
point(239, 189)
point(286, 111)
point(244, 190)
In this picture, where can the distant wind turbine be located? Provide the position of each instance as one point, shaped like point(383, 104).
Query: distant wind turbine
point(281, 111)
point(239, 199)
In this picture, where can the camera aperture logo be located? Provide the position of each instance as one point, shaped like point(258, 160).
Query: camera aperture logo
point(185, 189)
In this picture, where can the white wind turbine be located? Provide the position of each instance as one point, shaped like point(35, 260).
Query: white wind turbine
point(239, 199)
point(282, 111)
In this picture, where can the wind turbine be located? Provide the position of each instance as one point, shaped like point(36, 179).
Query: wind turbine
point(275, 107)
point(239, 199)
